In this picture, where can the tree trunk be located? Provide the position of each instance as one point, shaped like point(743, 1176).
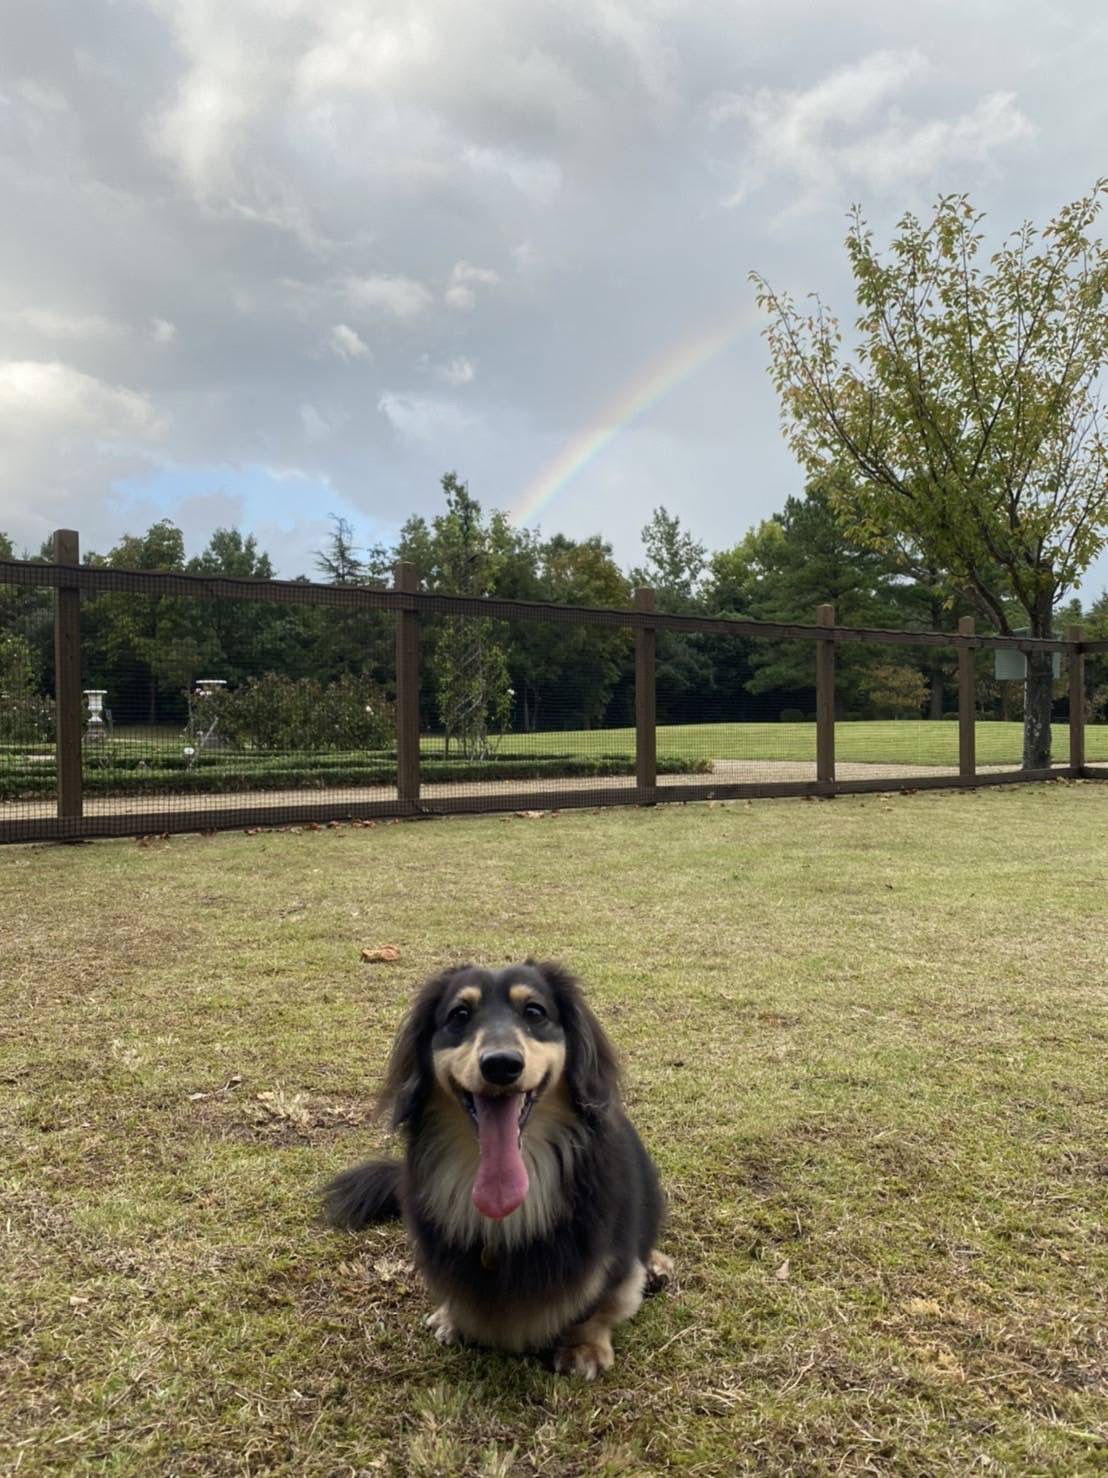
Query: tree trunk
point(1038, 698)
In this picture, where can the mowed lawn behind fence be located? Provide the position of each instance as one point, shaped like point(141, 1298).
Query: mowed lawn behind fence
point(865, 1041)
point(150, 759)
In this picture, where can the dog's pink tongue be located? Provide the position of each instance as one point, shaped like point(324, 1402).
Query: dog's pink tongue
point(501, 1182)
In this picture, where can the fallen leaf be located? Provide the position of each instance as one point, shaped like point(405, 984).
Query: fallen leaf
point(383, 954)
point(782, 1273)
point(529, 815)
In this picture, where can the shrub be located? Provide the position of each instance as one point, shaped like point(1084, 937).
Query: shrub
point(287, 774)
point(895, 690)
point(791, 716)
point(289, 714)
point(26, 717)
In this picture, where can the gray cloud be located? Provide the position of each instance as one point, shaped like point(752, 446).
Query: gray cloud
point(268, 262)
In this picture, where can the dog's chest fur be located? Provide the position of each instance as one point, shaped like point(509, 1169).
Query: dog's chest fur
point(445, 1167)
point(442, 1175)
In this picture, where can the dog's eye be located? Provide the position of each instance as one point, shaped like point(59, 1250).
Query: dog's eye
point(534, 1012)
point(459, 1016)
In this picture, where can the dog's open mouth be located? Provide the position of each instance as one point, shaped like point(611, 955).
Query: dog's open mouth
point(526, 1104)
point(502, 1181)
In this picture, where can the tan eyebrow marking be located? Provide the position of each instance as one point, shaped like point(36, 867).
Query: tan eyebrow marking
point(519, 995)
point(469, 996)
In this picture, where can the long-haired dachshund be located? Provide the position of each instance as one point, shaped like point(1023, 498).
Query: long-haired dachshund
point(531, 1203)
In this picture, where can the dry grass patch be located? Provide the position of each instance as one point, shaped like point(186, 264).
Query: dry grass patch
point(865, 1041)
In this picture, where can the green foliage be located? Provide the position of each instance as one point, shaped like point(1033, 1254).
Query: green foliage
point(674, 570)
point(966, 431)
point(791, 716)
point(675, 563)
point(220, 773)
point(894, 690)
point(26, 716)
point(565, 676)
point(470, 665)
point(286, 714)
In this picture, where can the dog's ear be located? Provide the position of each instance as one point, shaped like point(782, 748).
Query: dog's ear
point(408, 1075)
point(592, 1068)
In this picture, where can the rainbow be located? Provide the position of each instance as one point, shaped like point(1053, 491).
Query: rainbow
point(648, 387)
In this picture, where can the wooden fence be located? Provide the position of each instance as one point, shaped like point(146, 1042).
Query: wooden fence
point(69, 580)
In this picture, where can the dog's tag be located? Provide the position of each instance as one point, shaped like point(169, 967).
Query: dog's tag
point(488, 1260)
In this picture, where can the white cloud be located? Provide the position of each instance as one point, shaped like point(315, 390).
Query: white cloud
point(63, 436)
point(400, 296)
point(852, 127)
point(347, 343)
point(53, 325)
point(286, 180)
point(463, 277)
point(48, 398)
point(418, 418)
point(457, 371)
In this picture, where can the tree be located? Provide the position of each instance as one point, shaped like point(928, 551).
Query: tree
point(241, 639)
point(895, 689)
point(675, 566)
point(144, 648)
point(347, 640)
point(783, 569)
point(565, 676)
point(967, 430)
point(675, 562)
point(469, 664)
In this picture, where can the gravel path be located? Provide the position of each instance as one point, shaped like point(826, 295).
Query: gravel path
point(725, 772)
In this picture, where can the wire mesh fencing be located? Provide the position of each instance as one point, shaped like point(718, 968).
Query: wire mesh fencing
point(515, 707)
point(138, 702)
point(28, 733)
point(735, 711)
point(194, 703)
point(1095, 689)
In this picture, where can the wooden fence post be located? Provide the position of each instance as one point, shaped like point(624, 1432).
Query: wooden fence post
point(407, 691)
point(1077, 701)
point(967, 701)
point(646, 727)
point(67, 679)
point(825, 698)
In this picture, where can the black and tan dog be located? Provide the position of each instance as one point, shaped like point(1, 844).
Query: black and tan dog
point(531, 1203)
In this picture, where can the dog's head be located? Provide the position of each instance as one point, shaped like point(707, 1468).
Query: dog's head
point(491, 1046)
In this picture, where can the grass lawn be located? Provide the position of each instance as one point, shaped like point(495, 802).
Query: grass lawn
point(865, 1040)
point(874, 741)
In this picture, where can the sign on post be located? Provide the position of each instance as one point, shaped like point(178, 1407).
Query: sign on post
point(1011, 666)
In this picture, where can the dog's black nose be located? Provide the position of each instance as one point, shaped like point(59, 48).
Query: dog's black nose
point(501, 1068)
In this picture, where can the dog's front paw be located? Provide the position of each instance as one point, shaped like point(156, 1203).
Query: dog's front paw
point(588, 1357)
point(442, 1326)
point(659, 1272)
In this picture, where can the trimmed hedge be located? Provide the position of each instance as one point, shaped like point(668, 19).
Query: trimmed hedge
point(281, 775)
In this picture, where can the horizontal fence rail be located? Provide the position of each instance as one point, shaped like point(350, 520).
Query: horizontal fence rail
point(67, 793)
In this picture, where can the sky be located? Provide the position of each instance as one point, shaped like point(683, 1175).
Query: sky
point(267, 261)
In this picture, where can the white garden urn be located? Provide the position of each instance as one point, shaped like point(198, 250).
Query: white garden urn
point(95, 731)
